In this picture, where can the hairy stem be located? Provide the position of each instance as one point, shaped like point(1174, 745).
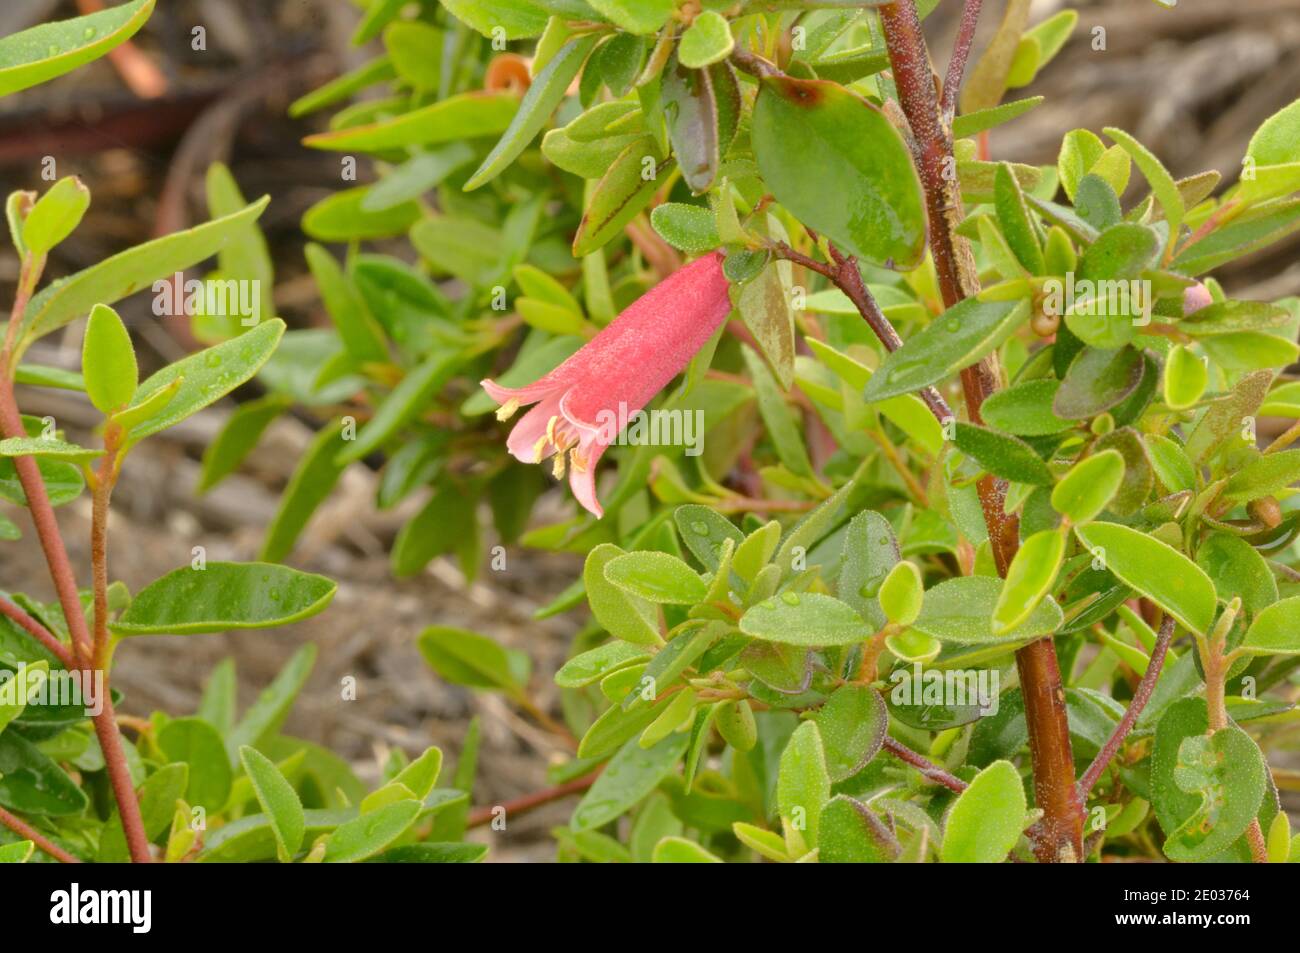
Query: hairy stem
point(1139, 702)
point(970, 18)
point(1040, 677)
point(929, 770)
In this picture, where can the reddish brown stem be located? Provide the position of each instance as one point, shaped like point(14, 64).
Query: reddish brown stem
point(1040, 677)
point(522, 805)
point(1140, 698)
point(27, 832)
point(970, 18)
point(928, 769)
point(65, 584)
point(38, 632)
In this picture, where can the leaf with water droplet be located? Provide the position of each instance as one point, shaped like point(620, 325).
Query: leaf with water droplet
point(39, 54)
point(811, 619)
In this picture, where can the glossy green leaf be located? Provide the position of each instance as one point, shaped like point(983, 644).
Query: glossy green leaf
point(901, 594)
point(121, 275)
point(279, 802)
point(1091, 484)
point(1029, 579)
point(312, 481)
point(467, 658)
point(466, 116)
point(961, 611)
point(55, 215)
point(870, 552)
point(656, 577)
point(623, 614)
point(630, 775)
point(962, 335)
point(1155, 569)
point(196, 743)
point(108, 361)
point(18, 852)
point(509, 19)
point(39, 54)
point(706, 41)
point(205, 377)
point(225, 596)
point(679, 850)
point(63, 481)
point(31, 783)
point(866, 196)
point(50, 448)
point(367, 835)
point(620, 195)
point(1186, 378)
point(543, 96)
point(1276, 630)
point(985, 821)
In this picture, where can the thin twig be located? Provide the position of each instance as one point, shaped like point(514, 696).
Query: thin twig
point(1140, 698)
point(970, 16)
point(928, 769)
point(522, 805)
point(26, 831)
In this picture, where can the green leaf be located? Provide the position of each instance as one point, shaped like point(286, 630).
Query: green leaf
point(1091, 483)
point(870, 552)
point(31, 783)
point(808, 618)
point(1001, 454)
point(455, 119)
point(55, 215)
point(265, 715)
point(1237, 569)
point(985, 821)
point(803, 784)
point(620, 195)
point(850, 834)
point(705, 532)
point(1097, 380)
point(510, 19)
point(1162, 183)
point(158, 796)
point(51, 448)
point(1277, 140)
point(368, 834)
point(852, 726)
point(1266, 475)
point(238, 437)
point(196, 743)
point(688, 228)
point(43, 52)
point(225, 596)
point(635, 16)
point(764, 304)
point(467, 658)
point(1186, 377)
point(622, 614)
point(63, 481)
point(544, 94)
point(347, 216)
point(657, 577)
point(1155, 569)
point(1250, 231)
point(18, 852)
point(1029, 579)
point(312, 481)
point(1017, 227)
point(1276, 630)
point(961, 611)
point(972, 124)
point(362, 336)
point(279, 802)
point(679, 850)
point(205, 377)
point(692, 113)
point(108, 361)
point(866, 196)
point(901, 594)
point(1026, 409)
point(1227, 772)
point(706, 41)
point(407, 399)
point(780, 423)
point(630, 775)
point(962, 335)
point(39, 375)
point(125, 273)
point(594, 664)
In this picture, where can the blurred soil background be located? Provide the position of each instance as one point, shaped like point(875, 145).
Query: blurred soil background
point(1192, 83)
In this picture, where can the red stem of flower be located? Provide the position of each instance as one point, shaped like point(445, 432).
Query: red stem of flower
point(1040, 677)
point(1139, 702)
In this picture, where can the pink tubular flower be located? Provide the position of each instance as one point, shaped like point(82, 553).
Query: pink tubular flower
point(616, 373)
